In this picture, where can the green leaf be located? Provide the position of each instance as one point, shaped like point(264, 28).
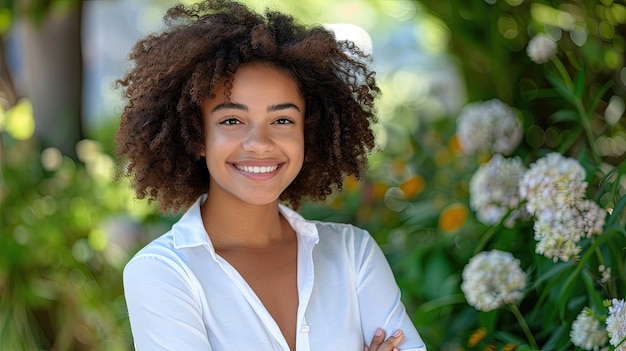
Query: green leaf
point(508, 337)
point(566, 295)
point(487, 236)
point(598, 97)
point(579, 84)
point(570, 139)
point(564, 115)
point(621, 170)
point(595, 300)
point(556, 337)
point(441, 302)
point(617, 248)
point(617, 212)
point(553, 272)
point(608, 181)
point(438, 267)
point(419, 215)
point(546, 310)
point(560, 87)
point(489, 319)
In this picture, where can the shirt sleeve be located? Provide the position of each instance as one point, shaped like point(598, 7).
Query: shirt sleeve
point(164, 315)
point(379, 297)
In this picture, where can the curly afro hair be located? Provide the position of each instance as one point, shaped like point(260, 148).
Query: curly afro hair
point(161, 130)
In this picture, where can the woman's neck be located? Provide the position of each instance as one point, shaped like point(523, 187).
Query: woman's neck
point(233, 223)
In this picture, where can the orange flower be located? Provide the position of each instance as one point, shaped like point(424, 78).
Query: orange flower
point(509, 347)
point(452, 217)
point(476, 337)
point(412, 186)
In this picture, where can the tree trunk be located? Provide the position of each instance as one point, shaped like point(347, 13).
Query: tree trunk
point(8, 95)
point(52, 61)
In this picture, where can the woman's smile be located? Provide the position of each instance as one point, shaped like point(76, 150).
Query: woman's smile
point(257, 169)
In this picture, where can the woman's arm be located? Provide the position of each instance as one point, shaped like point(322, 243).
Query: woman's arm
point(379, 298)
point(164, 315)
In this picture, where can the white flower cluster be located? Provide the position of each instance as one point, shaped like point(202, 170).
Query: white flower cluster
point(492, 279)
point(541, 48)
point(494, 190)
point(616, 324)
point(552, 181)
point(559, 230)
point(489, 126)
point(554, 188)
point(587, 333)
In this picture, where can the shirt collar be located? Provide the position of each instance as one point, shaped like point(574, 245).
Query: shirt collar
point(189, 230)
point(304, 229)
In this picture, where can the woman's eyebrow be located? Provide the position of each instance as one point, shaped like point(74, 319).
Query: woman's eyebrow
point(237, 106)
point(230, 105)
point(282, 107)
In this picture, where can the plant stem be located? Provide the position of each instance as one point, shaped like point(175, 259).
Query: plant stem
point(524, 325)
point(587, 127)
point(563, 71)
point(486, 236)
point(493, 229)
point(580, 108)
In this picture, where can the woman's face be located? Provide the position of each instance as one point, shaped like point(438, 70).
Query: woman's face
point(254, 144)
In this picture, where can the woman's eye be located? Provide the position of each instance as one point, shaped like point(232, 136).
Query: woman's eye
point(230, 121)
point(283, 120)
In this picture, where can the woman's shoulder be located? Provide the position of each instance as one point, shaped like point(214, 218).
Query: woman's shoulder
point(338, 234)
point(338, 228)
point(159, 248)
point(323, 228)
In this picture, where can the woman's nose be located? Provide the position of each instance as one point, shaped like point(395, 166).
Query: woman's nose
point(258, 139)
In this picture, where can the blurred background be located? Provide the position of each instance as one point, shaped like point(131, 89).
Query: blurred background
point(67, 228)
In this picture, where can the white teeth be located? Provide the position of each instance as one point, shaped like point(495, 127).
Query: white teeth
point(257, 169)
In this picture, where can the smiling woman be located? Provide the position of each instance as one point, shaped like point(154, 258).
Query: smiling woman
point(234, 116)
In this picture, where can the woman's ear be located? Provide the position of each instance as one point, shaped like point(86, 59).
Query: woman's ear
point(200, 149)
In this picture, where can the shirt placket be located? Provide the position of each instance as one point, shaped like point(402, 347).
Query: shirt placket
point(305, 287)
point(254, 301)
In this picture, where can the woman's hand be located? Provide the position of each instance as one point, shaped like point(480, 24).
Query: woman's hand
point(380, 344)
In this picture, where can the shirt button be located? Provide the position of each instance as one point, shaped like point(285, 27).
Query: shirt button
point(304, 329)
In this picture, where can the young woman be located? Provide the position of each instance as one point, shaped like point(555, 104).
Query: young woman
point(233, 116)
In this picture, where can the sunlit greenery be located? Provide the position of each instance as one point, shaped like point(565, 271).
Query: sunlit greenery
point(60, 261)
point(67, 228)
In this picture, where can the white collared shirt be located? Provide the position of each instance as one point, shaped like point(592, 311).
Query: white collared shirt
point(181, 295)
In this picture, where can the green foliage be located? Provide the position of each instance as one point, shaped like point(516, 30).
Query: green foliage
point(62, 250)
point(565, 107)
